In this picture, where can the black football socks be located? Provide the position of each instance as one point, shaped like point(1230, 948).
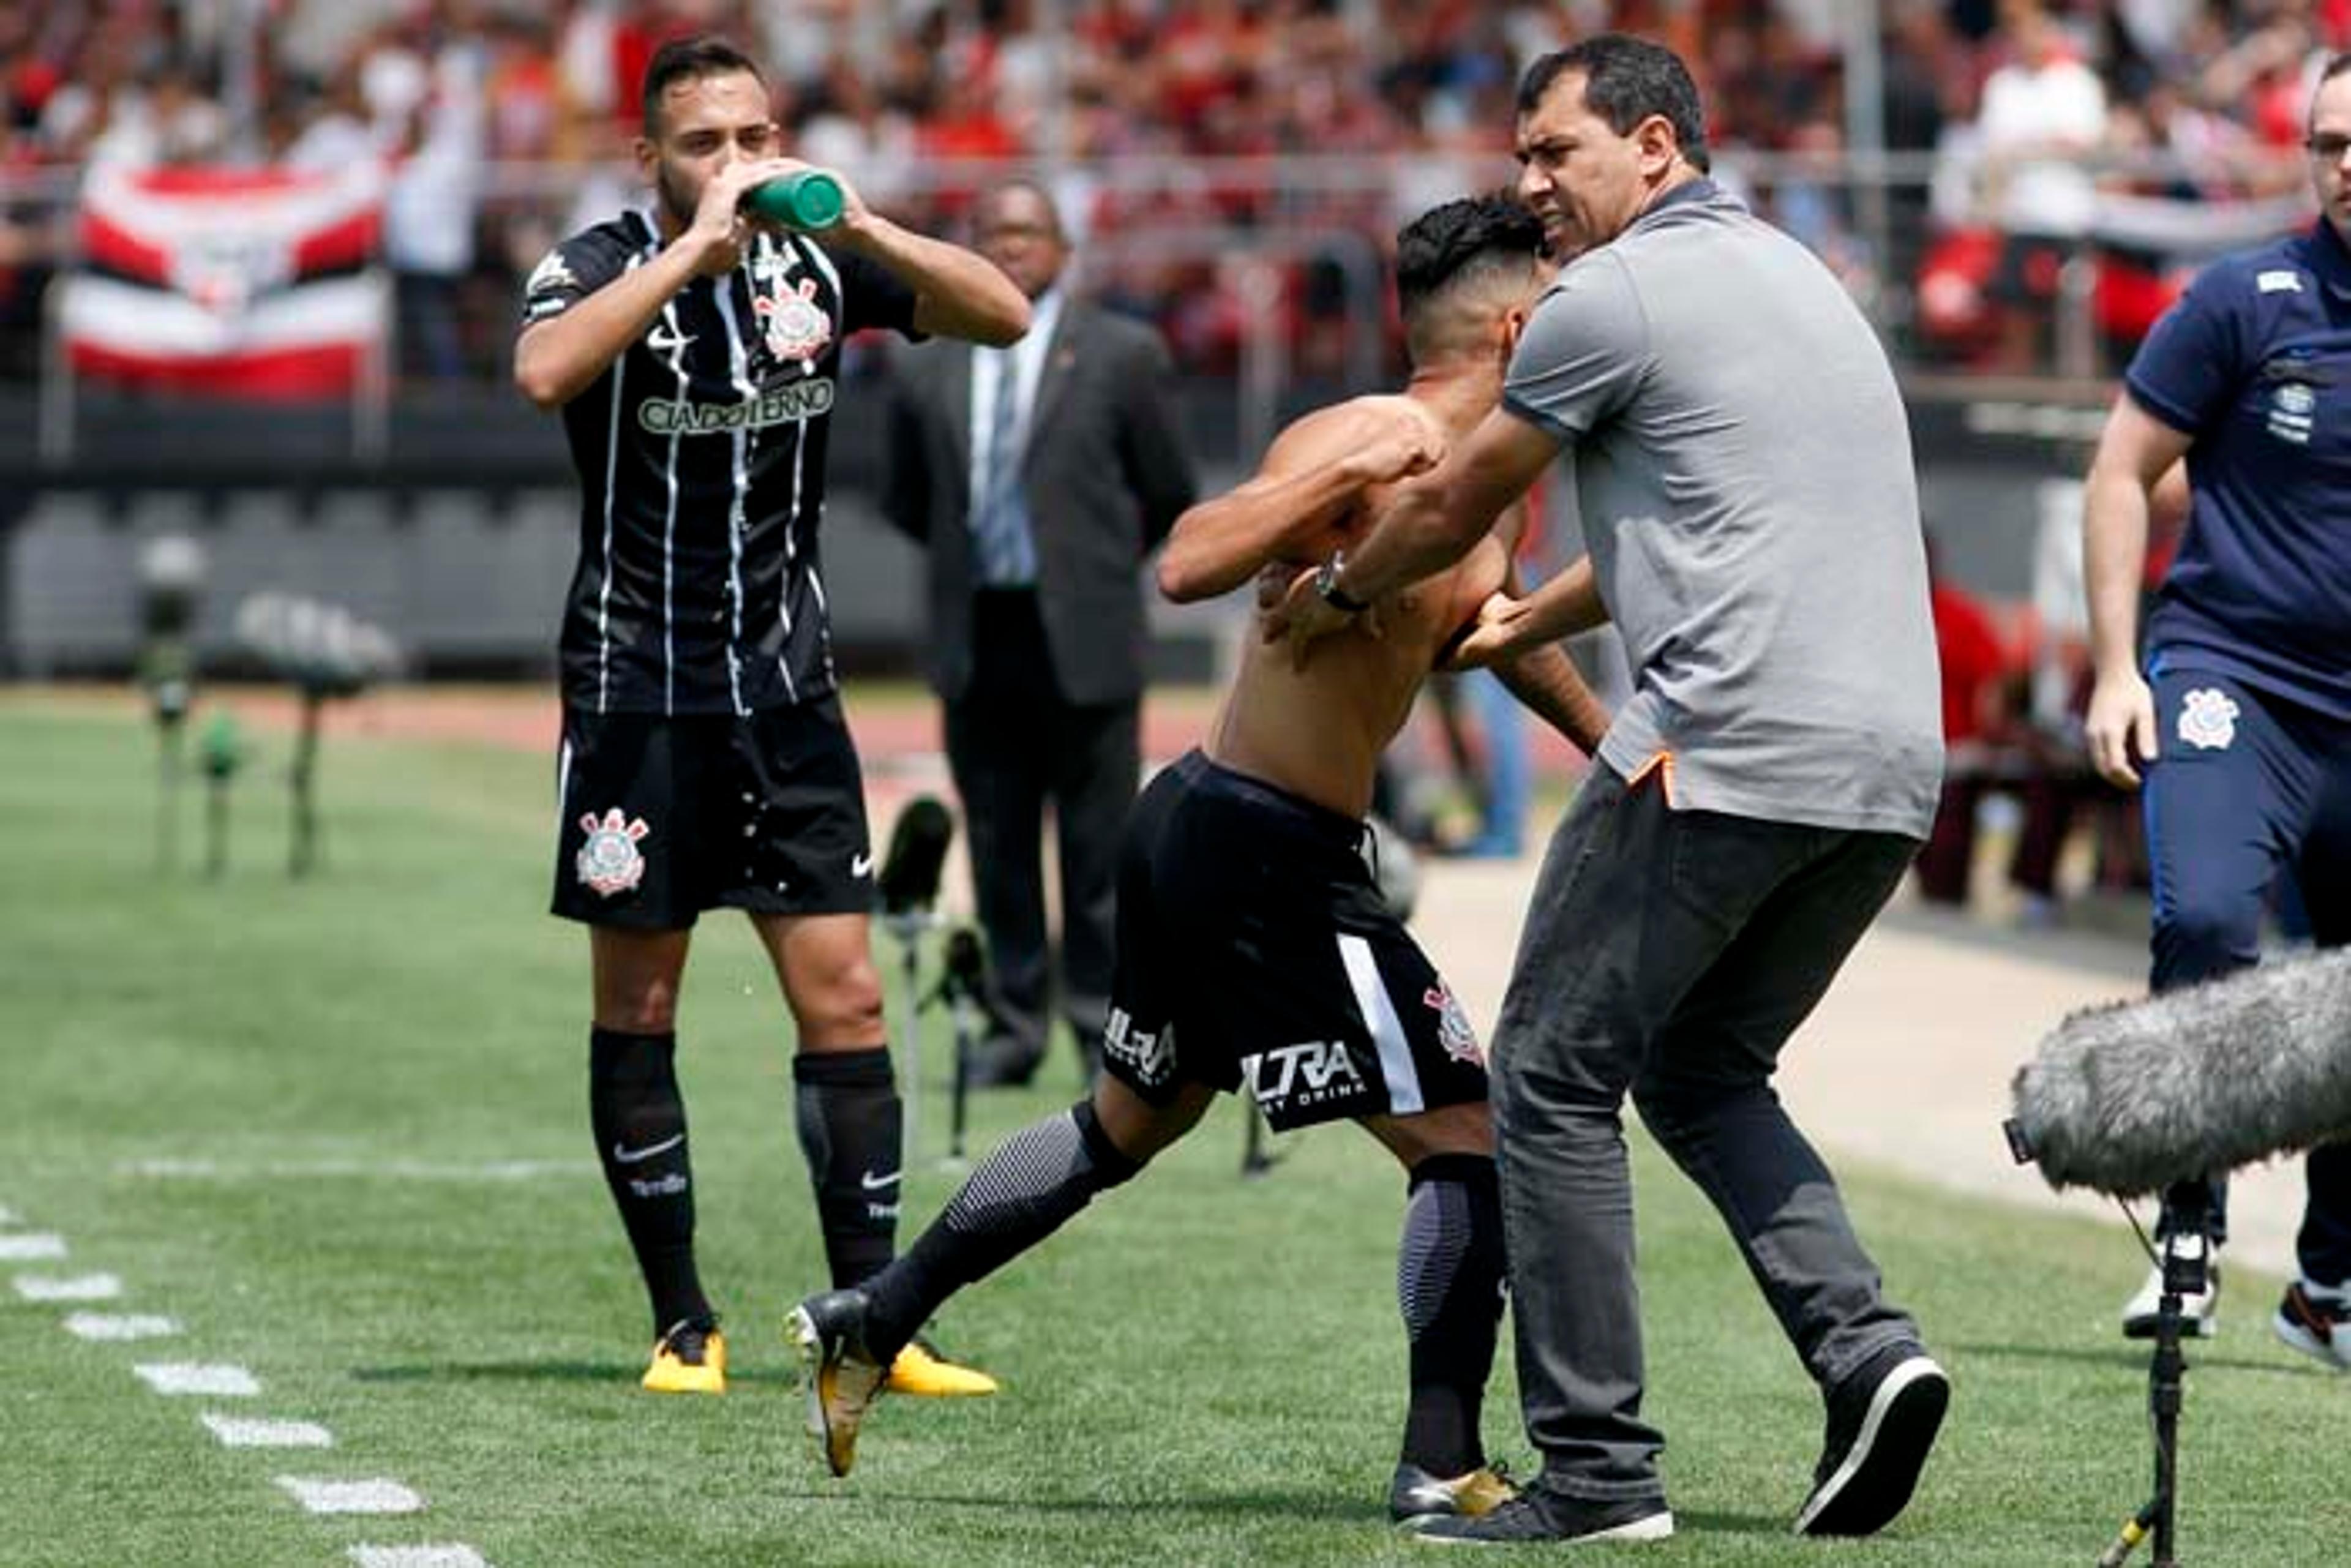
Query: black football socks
point(1449, 1286)
point(850, 1119)
point(1034, 1182)
point(640, 1123)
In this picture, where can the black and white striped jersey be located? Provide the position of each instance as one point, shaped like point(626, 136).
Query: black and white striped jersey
point(701, 457)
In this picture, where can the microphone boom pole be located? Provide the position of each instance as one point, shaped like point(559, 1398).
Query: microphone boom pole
point(907, 888)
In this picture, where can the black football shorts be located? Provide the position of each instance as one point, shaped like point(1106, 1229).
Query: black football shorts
point(663, 817)
point(1254, 949)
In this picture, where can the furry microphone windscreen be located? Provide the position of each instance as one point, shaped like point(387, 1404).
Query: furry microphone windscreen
point(2130, 1098)
point(918, 851)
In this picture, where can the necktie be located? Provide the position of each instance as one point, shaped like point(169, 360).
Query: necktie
point(999, 522)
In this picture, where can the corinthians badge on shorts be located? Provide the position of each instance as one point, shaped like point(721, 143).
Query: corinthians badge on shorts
point(609, 861)
point(798, 328)
point(2208, 719)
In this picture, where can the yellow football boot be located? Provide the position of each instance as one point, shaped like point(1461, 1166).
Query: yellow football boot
point(839, 1375)
point(923, 1372)
point(691, 1358)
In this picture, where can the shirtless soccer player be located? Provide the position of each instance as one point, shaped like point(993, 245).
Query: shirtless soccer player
point(1252, 943)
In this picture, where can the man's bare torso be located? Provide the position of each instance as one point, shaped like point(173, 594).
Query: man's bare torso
point(1318, 732)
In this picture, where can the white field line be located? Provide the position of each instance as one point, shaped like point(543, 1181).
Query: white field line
point(242, 1432)
point(121, 1325)
point(375, 1495)
point(478, 1173)
point(62, 1287)
point(181, 1377)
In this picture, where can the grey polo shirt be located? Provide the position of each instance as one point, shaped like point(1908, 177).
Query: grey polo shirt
point(1743, 465)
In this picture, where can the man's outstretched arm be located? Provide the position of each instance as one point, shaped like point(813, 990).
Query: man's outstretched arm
point(1430, 524)
point(1313, 473)
point(560, 356)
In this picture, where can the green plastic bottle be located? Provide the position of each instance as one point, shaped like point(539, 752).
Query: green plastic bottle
point(804, 199)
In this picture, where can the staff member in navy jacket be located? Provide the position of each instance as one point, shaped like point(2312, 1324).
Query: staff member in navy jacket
point(2239, 710)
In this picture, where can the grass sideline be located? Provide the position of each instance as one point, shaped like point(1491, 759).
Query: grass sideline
point(379, 1194)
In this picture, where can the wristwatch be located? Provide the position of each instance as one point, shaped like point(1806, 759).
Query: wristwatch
point(1327, 588)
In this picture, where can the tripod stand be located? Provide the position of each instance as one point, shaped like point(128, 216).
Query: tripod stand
point(907, 927)
point(963, 987)
point(962, 990)
point(2187, 1262)
point(908, 887)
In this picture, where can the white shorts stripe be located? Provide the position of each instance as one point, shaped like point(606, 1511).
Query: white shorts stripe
point(1387, 1029)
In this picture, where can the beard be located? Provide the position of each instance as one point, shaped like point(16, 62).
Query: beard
point(678, 199)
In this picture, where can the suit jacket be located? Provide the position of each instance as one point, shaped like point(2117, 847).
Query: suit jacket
point(1106, 475)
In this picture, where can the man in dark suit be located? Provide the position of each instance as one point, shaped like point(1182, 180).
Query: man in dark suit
point(1040, 478)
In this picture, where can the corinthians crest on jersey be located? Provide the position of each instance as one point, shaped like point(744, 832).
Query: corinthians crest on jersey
point(797, 328)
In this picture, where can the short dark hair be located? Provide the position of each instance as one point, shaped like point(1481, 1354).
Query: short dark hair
point(690, 59)
point(1625, 81)
point(2335, 66)
point(1459, 242)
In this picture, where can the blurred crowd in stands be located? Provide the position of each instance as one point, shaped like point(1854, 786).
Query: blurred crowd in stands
point(2135, 135)
point(2046, 176)
point(2016, 680)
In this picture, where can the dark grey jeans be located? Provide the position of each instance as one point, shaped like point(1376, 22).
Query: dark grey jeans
point(1670, 955)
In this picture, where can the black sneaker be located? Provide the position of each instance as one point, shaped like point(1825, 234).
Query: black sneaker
point(1882, 1425)
point(1549, 1517)
point(1416, 1494)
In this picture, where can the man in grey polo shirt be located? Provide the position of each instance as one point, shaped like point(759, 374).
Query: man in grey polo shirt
point(1742, 467)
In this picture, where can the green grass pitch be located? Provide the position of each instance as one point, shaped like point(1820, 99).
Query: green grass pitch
point(337, 1128)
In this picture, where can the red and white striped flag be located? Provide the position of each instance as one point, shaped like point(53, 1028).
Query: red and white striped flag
point(250, 283)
